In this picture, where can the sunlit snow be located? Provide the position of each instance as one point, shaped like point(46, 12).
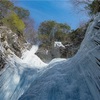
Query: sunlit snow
point(58, 44)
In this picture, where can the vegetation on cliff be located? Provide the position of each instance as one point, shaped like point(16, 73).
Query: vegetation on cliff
point(16, 18)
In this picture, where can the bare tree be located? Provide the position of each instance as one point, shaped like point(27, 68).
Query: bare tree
point(80, 5)
point(30, 32)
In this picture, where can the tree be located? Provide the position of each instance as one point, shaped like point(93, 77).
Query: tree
point(46, 26)
point(94, 7)
point(79, 5)
point(22, 13)
point(52, 31)
point(89, 6)
point(30, 33)
point(15, 23)
point(5, 6)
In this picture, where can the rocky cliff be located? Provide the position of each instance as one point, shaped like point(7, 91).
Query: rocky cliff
point(10, 44)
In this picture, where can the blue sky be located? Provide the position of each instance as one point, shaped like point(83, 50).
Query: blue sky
point(61, 11)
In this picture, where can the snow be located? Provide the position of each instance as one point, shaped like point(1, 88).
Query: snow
point(58, 44)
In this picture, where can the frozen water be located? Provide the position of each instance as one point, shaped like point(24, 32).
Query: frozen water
point(77, 78)
point(33, 60)
point(19, 74)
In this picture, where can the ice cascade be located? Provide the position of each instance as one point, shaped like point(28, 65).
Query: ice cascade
point(77, 78)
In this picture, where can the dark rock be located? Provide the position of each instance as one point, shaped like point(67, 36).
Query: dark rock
point(16, 49)
point(2, 61)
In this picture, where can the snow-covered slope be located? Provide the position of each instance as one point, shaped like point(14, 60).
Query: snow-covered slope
point(75, 79)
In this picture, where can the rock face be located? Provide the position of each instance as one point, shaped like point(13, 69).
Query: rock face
point(55, 51)
point(48, 55)
point(2, 61)
point(10, 42)
point(75, 79)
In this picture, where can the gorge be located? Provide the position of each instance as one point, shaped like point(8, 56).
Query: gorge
point(24, 76)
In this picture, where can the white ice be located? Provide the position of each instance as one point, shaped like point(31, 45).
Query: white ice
point(30, 58)
point(58, 44)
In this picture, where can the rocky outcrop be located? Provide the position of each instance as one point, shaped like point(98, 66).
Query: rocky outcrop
point(48, 54)
point(10, 45)
point(11, 42)
point(2, 61)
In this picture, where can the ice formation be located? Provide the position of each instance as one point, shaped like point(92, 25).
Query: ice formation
point(19, 74)
point(77, 78)
point(31, 59)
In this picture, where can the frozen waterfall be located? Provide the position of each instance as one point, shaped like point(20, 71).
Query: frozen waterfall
point(77, 78)
point(31, 59)
point(19, 74)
